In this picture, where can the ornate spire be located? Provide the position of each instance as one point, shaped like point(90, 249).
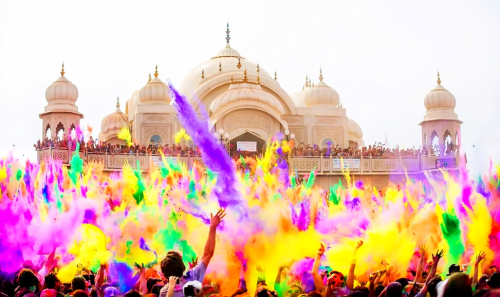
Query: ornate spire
point(245, 79)
point(439, 79)
point(156, 71)
point(320, 74)
point(220, 66)
point(62, 70)
point(202, 73)
point(232, 81)
point(149, 79)
point(258, 69)
point(307, 83)
point(275, 76)
point(227, 34)
point(310, 82)
point(258, 75)
point(239, 63)
point(117, 102)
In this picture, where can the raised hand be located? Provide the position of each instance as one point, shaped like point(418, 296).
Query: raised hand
point(423, 251)
point(480, 257)
point(438, 256)
point(217, 219)
point(321, 250)
point(139, 266)
point(260, 270)
point(358, 245)
point(172, 281)
point(194, 263)
point(287, 265)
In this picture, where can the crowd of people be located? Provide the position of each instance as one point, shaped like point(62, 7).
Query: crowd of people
point(376, 150)
point(170, 278)
point(95, 147)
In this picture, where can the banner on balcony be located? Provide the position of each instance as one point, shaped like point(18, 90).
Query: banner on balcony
point(157, 160)
point(348, 163)
point(246, 146)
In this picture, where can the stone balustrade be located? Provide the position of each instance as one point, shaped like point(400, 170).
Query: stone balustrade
point(323, 165)
point(115, 162)
point(372, 165)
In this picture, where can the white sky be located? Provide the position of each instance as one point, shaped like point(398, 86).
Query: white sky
point(380, 56)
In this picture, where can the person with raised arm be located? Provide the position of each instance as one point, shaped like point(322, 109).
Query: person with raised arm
point(173, 265)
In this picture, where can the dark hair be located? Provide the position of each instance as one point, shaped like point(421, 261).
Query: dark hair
point(458, 285)
point(132, 293)
point(80, 293)
point(363, 289)
point(172, 265)
point(379, 289)
point(403, 281)
point(156, 289)
point(27, 278)
point(494, 281)
point(314, 294)
point(264, 292)
point(78, 283)
point(190, 290)
point(432, 286)
point(151, 282)
point(51, 280)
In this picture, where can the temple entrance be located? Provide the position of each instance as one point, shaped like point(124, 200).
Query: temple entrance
point(247, 139)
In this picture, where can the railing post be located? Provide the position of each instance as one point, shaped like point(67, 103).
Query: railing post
point(321, 162)
point(106, 159)
point(331, 163)
point(371, 163)
point(361, 164)
point(400, 163)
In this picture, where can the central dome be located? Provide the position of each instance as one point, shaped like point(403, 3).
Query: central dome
point(227, 60)
point(62, 91)
point(112, 124)
point(321, 94)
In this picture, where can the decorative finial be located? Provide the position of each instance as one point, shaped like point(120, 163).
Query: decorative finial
point(149, 79)
point(258, 77)
point(258, 70)
point(310, 82)
point(275, 76)
point(245, 76)
point(232, 78)
point(439, 79)
point(62, 70)
point(227, 34)
point(320, 74)
point(117, 102)
point(220, 66)
point(239, 63)
point(307, 83)
point(202, 73)
point(156, 71)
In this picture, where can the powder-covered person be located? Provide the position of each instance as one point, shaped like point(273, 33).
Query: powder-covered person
point(172, 265)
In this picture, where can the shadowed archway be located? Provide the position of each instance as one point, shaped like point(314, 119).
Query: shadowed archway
point(246, 136)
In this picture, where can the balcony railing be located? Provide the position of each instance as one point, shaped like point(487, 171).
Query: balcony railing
point(322, 165)
point(115, 162)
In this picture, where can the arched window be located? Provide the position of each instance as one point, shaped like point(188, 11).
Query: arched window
point(60, 131)
point(48, 132)
point(328, 142)
point(435, 145)
point(155, 139)
point(448, 144)
point(72, 130)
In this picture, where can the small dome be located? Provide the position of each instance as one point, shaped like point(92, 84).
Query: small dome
point(354, 129)
point(439, 98)
point(321, 94)
point(248, 93)
point(62, 90)
point(227, 51)
point(155, 91)
point(112, 124)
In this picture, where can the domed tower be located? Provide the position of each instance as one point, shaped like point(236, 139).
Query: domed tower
point(441, 126)
point(112, 124)
point(61, 113)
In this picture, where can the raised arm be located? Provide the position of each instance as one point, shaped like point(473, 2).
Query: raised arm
point(318, 282)
point(350, 276)
point(432, 273)
point(277, 282)
point(208, 253)
point(421, 263)
point(480, 257)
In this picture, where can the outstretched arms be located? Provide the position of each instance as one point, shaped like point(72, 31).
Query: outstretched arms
point(210, 245)
point(350, 276)
point(318, 282)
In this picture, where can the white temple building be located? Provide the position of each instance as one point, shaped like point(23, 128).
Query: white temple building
point(244, 103)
